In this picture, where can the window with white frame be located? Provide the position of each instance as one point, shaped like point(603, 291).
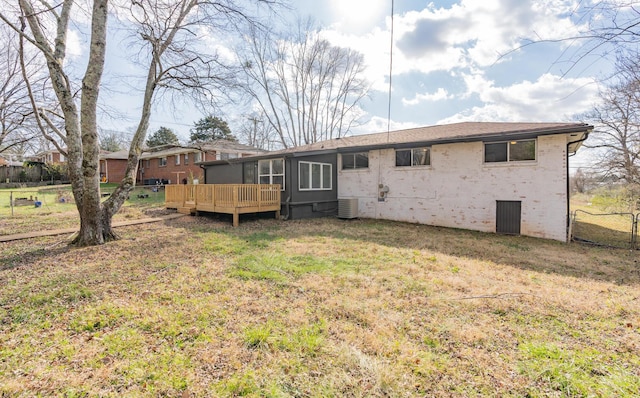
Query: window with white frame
point(177, 160)
point(197, 157)
point(162, 161)
point(510, 151)
point(186, 158)
point(314, 176)
point(413, 157)
point(358, 160)
point(271, 171)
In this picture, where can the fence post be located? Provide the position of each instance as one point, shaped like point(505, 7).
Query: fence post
point(572, 217)
point(634, 234)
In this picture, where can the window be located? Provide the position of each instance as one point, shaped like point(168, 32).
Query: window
point(413, 157)
point(186, 158)
point(512, 151)
point(249, 176)
point(314, 176)
point(271, 171)
point(177, 160)
point(226, 156)
point(358, 160)
point(148, 163)
point(197, 157)
point(162, 162)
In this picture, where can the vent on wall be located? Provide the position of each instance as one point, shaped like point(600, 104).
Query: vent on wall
point(348, 208)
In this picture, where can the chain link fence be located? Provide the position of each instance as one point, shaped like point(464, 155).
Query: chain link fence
point(606, 229)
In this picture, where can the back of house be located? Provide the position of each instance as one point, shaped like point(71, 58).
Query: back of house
point(494, 177)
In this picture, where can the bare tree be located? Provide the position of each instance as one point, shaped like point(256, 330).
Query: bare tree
point(16, 114)
point(617, 124)
point(308, 89)
point(113, 140)
point(166, 32)
point(256, 132)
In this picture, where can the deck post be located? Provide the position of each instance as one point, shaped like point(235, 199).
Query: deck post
point(236, 218)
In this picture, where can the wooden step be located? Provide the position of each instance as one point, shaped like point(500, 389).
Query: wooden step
point(187, 210)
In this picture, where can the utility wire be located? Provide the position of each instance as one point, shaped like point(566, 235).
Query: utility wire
point(390, 74)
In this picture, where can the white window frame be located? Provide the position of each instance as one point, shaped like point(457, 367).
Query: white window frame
point(197, 157)
point(177, 160)
point(411, 159)
point(162, 162)
point(322, 171)
point(271, 174)
point(186, 158)
point(508, 145)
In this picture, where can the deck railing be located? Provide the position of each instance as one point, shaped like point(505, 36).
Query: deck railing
point(224, 198)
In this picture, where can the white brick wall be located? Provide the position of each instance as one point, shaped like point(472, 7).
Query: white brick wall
point(459, 190)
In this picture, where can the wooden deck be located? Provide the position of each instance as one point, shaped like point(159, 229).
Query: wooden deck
point(232, 199)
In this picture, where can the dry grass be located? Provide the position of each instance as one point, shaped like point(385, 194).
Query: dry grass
point(56, 215)
point(317, 308)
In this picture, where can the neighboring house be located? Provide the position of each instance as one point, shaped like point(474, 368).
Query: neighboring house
point(492, 177)
point(171, 164)
point(113, 165)
point(52, 156)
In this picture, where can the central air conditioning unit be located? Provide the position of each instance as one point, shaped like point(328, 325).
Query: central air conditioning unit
point(348, 208)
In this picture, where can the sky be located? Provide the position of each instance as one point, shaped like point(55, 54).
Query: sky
point(453, 61)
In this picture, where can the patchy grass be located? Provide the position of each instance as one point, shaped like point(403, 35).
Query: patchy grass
point(603, 219)
point(317, 308)
point(58, 210)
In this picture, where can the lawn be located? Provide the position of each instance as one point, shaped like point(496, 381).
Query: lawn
point(57, 209)
point(604, 220)
point(317, 308)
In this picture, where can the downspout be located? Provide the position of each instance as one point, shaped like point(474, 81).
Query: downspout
point(586, 135)
point(288, 182)
point(204, 169)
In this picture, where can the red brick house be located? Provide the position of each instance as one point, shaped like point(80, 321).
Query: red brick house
point(174, 164)
point(113, 165)
point(52, 156)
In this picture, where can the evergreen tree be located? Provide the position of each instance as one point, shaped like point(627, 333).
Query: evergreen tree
point(163, 136)
point(211, 128)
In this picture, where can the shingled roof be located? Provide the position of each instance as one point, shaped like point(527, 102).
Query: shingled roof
point(430, 135)
point(458, 132)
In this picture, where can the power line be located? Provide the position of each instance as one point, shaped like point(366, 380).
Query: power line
point(390, 74)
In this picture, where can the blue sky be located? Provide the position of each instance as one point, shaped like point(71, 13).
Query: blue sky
point(453, 61)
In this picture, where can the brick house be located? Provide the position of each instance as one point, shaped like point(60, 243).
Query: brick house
point(171, 164)
point(113, 165)
point(493, 177)
point(52, 156)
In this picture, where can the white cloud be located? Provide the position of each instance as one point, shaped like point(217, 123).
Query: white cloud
point(549, 98)
point(439, 95)
point(469, 34)
point(357, 15)
point(481, 30)
point(74, 45)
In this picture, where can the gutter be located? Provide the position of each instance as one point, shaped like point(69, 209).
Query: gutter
point(586, 135)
